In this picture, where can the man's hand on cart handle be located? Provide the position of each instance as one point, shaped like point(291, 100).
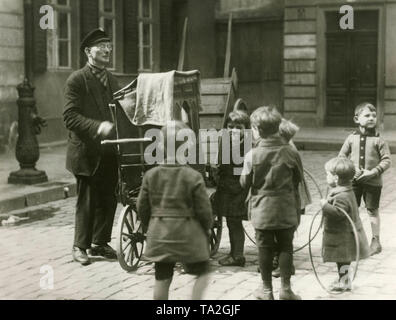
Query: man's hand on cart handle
point(105, 129)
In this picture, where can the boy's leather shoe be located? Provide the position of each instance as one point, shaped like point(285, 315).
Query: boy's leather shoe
point(104, 251)
point(338, 286)
point(263, 294)
point(230, 261)
point(288, 295)
point(80, 255)
point(375, 247)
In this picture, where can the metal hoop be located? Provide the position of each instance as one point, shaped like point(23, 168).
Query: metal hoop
point(357, 250)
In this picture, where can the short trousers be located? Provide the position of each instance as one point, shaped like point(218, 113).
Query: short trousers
point(370, 194)
point(279, 240)
point(164, 270)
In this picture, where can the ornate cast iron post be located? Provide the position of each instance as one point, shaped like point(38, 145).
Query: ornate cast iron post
point(27, 149)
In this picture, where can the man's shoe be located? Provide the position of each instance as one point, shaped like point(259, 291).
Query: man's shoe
point(230, 261)
point(104, 251)
point(263, 294)
point(375, 246)
point(80, 255)
point(288, 295)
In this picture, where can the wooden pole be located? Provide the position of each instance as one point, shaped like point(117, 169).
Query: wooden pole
point(180, 65)
point(228, 48)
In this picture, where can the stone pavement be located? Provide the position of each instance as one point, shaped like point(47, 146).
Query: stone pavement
point(28, 248)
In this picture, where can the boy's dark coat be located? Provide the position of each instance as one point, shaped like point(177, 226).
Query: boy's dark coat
point(338, 239)
point(174, 203)
point(230, 197)
point(276, 172)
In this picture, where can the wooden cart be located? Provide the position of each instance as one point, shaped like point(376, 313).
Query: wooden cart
point(131, 144)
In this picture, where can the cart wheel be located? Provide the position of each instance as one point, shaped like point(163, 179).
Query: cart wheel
point(130, 239)
point(217, 229)
point(240, 105)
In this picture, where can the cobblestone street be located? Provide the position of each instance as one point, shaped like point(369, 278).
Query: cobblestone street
point(26, 248)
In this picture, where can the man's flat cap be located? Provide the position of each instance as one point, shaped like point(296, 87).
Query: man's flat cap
point(94, 37)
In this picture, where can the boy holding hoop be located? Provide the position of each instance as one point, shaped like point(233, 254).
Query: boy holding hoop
point(338, 238)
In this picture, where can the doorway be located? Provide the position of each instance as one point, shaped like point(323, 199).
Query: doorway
point(351, 65)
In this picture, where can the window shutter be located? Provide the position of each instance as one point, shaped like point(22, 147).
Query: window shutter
point(168, 46)
point(131, 53)
point(89, 20)
point(39, 39)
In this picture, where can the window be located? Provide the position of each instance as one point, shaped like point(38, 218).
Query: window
point(146, 21)
point(107, 22)
point(59, 39)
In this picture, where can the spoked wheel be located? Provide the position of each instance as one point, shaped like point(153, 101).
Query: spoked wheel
point(217, 229)
point(130, 239)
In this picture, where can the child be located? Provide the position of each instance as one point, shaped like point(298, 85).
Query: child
point(272, 173)
point(371, 157)
point(338, 238)
point(229, 199)
point(173, 203)
point(287, 130)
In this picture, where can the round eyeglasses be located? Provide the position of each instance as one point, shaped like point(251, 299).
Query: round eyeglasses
point(104, 46)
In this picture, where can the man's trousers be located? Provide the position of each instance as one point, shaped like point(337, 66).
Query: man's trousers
point(96, 205)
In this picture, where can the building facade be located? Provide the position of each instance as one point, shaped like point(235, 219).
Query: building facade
point(328, 70)
point(11, 63)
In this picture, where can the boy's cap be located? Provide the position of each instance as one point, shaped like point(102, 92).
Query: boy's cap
point(94, 37)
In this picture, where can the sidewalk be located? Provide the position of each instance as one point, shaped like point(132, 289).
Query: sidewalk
point(52, 161)
point(332, 138)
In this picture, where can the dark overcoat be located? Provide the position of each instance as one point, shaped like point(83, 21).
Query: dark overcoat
point(229, 198)
point(175, 206)
point(339, 243)
point(84, 110)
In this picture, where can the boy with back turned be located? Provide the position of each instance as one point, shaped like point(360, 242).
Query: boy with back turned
point(272, 171)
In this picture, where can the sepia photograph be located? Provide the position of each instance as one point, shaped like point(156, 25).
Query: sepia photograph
point(219, 151)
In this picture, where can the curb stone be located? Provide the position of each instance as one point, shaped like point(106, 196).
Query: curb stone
point(20, 205)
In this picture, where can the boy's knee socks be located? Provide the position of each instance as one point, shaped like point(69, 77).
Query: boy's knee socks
point(285, 283)
point(265, 262)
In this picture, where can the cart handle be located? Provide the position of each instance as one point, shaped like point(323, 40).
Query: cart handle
point(129, 140)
